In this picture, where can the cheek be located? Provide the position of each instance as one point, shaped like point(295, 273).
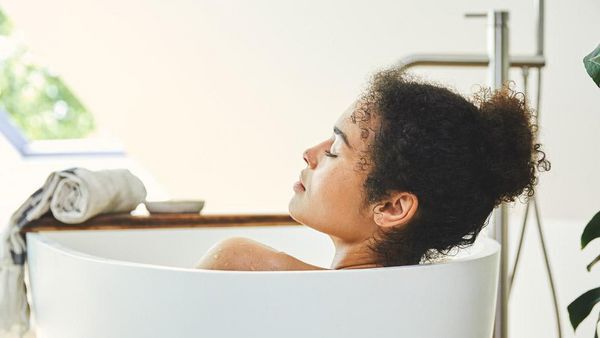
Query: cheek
point(336, 205)
point(336, 192)
point(323, 183)
point(332, 201)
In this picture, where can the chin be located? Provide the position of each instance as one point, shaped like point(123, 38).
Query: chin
point(302, 218)
point(301, 214)
point(297, 216)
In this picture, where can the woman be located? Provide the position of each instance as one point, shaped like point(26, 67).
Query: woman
point(411, 171)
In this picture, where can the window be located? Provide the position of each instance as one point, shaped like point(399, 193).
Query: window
point(39, 114)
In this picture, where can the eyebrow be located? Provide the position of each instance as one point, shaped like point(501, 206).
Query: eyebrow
point(337, 131)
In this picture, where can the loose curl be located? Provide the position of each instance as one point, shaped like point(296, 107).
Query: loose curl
point(460, 158)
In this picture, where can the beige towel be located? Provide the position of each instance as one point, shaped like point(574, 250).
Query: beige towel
point(73, 196)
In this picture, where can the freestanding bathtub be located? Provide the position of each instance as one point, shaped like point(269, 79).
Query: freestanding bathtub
point(139, 283)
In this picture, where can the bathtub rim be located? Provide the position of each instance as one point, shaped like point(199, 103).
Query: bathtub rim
point(488, 247)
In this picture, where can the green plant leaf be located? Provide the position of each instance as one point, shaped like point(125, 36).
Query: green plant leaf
point(591, 231)
point(581, 307)
point(592, 65)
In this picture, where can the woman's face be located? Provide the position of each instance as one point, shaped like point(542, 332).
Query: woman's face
point(329, 196)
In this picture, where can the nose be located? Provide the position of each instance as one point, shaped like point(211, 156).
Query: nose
point(311, 155)
point(309, 158)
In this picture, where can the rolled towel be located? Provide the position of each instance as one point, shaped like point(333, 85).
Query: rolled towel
point(85, 194)
point(73, 196)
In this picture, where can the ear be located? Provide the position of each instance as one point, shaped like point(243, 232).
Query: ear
point(396, 211)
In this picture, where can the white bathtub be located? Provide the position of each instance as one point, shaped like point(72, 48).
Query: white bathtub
point(138, 283)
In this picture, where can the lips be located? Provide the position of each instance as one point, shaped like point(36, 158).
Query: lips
point(299, 186)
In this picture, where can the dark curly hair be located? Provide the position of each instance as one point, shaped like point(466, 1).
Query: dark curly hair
point(460, 158)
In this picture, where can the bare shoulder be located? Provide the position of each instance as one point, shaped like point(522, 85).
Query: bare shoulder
point(244, 254)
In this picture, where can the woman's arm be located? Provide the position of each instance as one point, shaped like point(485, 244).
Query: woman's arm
point(244, 254)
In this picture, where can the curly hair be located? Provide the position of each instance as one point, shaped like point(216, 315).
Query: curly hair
point(460, 157)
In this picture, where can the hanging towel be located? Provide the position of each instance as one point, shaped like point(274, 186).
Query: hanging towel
point(73, 196)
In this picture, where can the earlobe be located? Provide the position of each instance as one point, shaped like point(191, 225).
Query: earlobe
point(396, 211)
point(378, 217)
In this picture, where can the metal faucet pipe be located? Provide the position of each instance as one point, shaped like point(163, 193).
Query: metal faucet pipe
point(498, 62)
point(498, 76)
point(467, 60)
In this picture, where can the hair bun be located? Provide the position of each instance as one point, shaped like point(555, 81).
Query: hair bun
point(510, 152)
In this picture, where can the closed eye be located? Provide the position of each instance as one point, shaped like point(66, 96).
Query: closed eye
point(330, 154)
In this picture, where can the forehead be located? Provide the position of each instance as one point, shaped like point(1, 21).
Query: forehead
point(356, 122)
point(346, 117)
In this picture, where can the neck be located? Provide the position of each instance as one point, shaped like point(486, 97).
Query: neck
point(352, 255)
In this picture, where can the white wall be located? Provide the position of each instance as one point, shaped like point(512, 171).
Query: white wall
point(219, 99)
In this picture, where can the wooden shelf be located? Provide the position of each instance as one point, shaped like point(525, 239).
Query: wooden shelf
point(159, 221)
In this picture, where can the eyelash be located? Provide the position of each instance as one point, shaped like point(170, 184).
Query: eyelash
point(329, 154)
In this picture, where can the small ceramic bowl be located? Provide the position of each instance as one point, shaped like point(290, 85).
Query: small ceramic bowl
point(174, 206)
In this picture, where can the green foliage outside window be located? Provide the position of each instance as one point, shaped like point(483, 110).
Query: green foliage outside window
point(37, 101)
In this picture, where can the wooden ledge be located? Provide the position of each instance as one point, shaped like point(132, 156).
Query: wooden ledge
point(159, 221)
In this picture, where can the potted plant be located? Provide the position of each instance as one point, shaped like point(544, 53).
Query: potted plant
point(580, 308)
